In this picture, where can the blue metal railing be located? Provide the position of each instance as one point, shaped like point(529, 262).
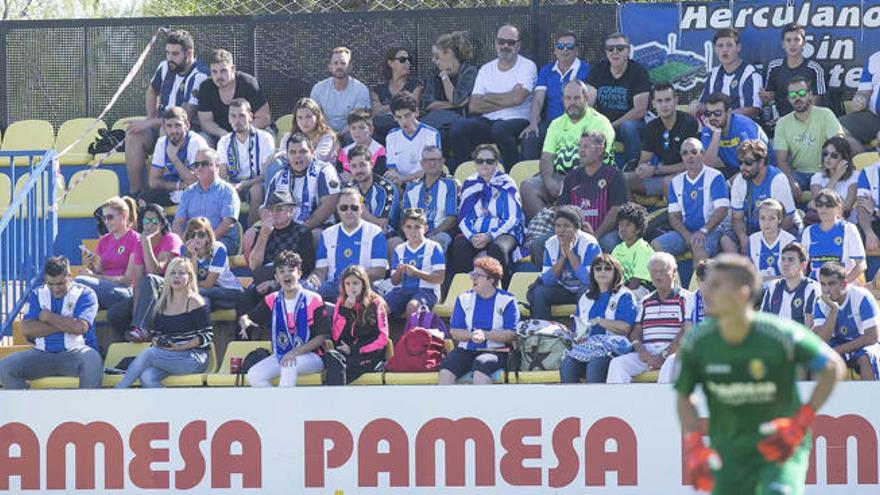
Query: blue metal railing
point(28, 229)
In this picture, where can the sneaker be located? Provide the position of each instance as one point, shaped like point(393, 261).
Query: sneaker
point(137, 335)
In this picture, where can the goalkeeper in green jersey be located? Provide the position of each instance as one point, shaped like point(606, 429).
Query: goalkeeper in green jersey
point(747, 363)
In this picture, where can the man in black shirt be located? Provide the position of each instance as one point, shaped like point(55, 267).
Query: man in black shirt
point(225, 85)
point(781, 70)
point(619, 89)
point(661, 150)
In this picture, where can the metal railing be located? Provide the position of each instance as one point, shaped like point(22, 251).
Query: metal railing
point(28, 228)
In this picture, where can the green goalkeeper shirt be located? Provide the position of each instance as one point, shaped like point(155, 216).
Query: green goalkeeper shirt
point(749, 383)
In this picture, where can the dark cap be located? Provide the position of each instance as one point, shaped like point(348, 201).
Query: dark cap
point(279, 198)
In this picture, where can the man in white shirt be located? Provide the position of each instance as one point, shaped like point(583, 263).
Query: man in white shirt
point(339, 94)
point(174, 154)
point(245, 154)
point(499, 103)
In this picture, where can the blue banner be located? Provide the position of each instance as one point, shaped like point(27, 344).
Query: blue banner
point(674, 40)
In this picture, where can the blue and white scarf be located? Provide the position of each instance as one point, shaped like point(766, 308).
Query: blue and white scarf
point(476, 190)
point(282, 343)
point(234, 167)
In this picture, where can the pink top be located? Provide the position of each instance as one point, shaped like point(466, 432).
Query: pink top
point(114, 253)
point(376, 150)
point(169, 243)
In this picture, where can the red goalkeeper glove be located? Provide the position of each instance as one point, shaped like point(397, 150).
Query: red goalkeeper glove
point(700, 461)
point(784, 435)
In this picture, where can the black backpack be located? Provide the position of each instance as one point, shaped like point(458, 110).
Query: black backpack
point(249, 361)
point(107, 140)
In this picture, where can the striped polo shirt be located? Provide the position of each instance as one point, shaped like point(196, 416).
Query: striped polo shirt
point(661, 319)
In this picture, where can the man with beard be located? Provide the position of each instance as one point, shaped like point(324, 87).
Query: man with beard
point(381, 198)
point(724, 131)
point(560, 152)
point(800, 134)
point(173, 156)
point(225, 85)
point(757, 181)
point(619, 89)
point(340, 94)
point(245, 154)
point(733, 77)
point(313, 184)
point(661, 150)
point(176, 82)
point(499, 103)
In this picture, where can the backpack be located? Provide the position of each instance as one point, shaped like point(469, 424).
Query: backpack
point(108, 140)
point(425, 318)
point(540, 347)
point(419, 349)
point(249, 361)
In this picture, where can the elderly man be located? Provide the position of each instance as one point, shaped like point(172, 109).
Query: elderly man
point(547, 104)
point(698, 203)
point(499, 103)
point(662, 318)
point(437, 195)
point(560, 154)
point(210, 197)
point(339, 94)
point(61, 323)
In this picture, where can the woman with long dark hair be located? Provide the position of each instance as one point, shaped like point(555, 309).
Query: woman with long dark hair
point(397, 76)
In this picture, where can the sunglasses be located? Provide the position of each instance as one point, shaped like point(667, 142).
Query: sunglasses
point(148, 221)
point(825, 204)
point(748, 162)
point(413, 211)
point(797, 94)
point(565, 46)
point(485, 161)
point(833, 154)
point(402, 60)
point(713, 113)
point(692, 151)
point(479, 275)
point(202, 163)
point(108, 218)
point(505, 41)
point(617, 48)
point(604, 268)
point(349, 207)
point(201, 234)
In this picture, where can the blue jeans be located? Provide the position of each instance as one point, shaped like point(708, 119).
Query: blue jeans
point(399, 297)
point(541, 297)
point(467, 133)
point(154, 364)
point(630, 134)
point(609, 241)
point(532, 145)
point(803, 180)
point(108, 293)
point(83, 362)
point(595, 371)
point(673, 243)
point(220, 297)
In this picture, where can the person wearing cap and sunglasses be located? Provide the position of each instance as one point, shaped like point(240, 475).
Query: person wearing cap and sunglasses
point(352, 241)
point(619, 88)
point(499, 103)
point(210, 197)
point(547, 104)
point(799, 135)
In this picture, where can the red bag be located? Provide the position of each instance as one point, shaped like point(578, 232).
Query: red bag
point(418, 350)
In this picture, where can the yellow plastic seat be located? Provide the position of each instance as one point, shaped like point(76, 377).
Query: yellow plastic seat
point(115, 354)
point(101, 316)
point(96, 188)
point(686, 108)
point(69, 132)
point(6, 350)
point(460, 283)
point(237, 261)
point(550, 376)
point(863, 160)
point(563, 310)
point(523, 170)
point(223, 315)
point(284, 124)
point(469, 168)
point(28, 135)
point(647, 377)
point(18, 337)
point(519, 286)
point(194, 379)
point(5, 193)
point(236, 349)
point(19, 188)
point(650, 201)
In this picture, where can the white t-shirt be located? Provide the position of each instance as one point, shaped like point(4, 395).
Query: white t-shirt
point(492, 80)
point(842, 186)
point(252, 154)
point(404, 153)
point(193, 142)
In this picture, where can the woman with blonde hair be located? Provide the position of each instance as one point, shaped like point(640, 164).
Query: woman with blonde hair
point(216, 282)
point(359, 329)
point(181, 332)
point(111, 266)
point(449, 89)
